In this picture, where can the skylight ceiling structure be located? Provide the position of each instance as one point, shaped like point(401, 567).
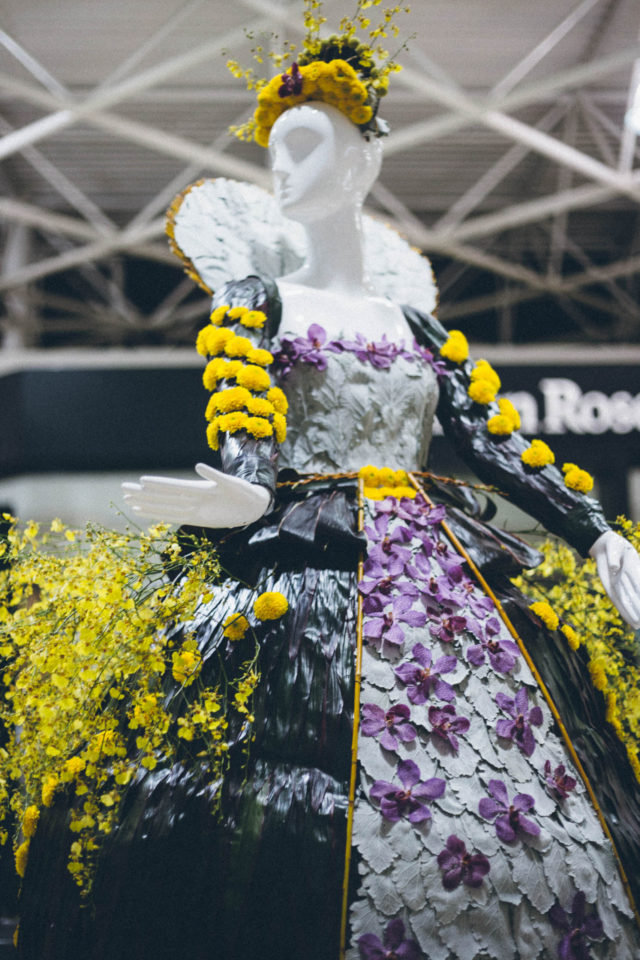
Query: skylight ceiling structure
point(508, 162)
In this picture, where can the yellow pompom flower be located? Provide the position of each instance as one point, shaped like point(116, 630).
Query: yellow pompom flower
point(270, 606)
point(546, 613)
point(49, 788)
point(572, 637)
point(217, 339)
point(215, 370)
point(21, 857)
point(369, 476)
point(597, 669)
point(361, 114)
point(30, 820)
point(577, 479)
point(499, 425)
point(508, 410)
point(373, 493)
point(237, 313)
point(258, 406)
point(218, 315)
point(537, 455)
point(202, 342)
point(262, 357)
point(278, 399)
point(456, 347)
point(234, 398)
point(231, 422)
point(253, 378)
point(235, 626)
point(213, 433)
point(482, 391)
point(386, 476)
point(258, 427)
point(280, 427)
point(483, 370)
point(238, 347)
point(253, 318)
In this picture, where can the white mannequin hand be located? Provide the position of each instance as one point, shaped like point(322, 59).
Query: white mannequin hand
point(618, 565)
point(218, 500)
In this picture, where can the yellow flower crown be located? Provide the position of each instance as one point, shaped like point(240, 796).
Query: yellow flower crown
point(347, 73)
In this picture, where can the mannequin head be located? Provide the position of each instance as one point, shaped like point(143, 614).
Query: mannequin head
point(321, 162)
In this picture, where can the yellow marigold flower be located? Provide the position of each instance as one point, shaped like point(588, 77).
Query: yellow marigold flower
point(235, 626)
point(537, 455)
point(258, 406)
point(218, 338)
point(213, 432)
point(254, 378)
point(373, 493)
point(215, 370)
point(456, 347)
point(261, 136)
point(237, 313)
point(369, 476)
point(262, 357)
point(48, 789)
point(507, 409)
point(279, 427)
point(258, 427)
point(253, 318)
point(483, 370)
point(400, 478)
point(572, 637)
point(30, 820)
point(238, 347)
point(361, 114)
point(482, 391)
point(232, 422)
point(386, 476)
point(224, 401)
point(577, 479)
point(546, 613)
point(218, 315)
point(270, 606)
point(202, 342)
point(21, 857)
point(598, 673)
point(186, 664)
point(499, 425)
point(403, 491)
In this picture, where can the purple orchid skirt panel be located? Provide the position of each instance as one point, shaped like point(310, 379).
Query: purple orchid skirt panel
point(476, 836)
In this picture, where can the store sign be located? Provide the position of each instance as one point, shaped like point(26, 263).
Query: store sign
point(560, 405)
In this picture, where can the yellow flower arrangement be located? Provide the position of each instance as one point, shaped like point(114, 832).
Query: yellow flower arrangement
point(572, 637)
point(482, 391)
point(262, 357)
point(482, 370)
point(213, 435)
point(237, 313)
point(253, 318)
point(381, 482)
point(456, 347)
point(279, 400)
point(238, 347)
point(259, 406)
point(30, 820)
point(253, 378)
point(258, 427)
point(225, 401)
point(215, 339)
point(186, 663)
point(235, 626)
point(21, 857)
point(577, 479)
point(505, 422)
point(232, 422)
point(270, 605)
point(279, 427)
point(546, 613)
point(217, 316)
point(537, 455)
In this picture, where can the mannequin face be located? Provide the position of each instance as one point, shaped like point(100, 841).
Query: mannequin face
point(316, 156)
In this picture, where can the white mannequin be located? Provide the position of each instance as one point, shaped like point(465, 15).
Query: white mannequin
point(323, 169)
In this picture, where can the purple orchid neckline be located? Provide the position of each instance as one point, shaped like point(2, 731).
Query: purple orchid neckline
point(313, 348)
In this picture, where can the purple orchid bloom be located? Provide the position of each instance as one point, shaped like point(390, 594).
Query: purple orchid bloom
point(510, 822)
point(380, 354)
point(482, 606)
point(559, 782)
point(420, 568)
point(388, 550)
point(396, 803)
point(393, 725)
point(438, 591)
point(393, 947)
point(382, 623)
point(502, 653)
point(291, 82)
point(450, 563)
point(579, 927)
point(384, 585)
point(424, 676)
point(446, 724)
point(425, 354)
point(444, 623)
point(518, 728)
point(458, 866)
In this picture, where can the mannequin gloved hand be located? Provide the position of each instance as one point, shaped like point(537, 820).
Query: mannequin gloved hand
point(218, 500)
point(618, 565)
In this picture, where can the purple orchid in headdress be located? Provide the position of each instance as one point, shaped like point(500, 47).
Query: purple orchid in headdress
point(396, 802)
point(291, 82)
point(559, 782)
point(518, 728)
point(510, 820)
point(393, 725)
point(458, 866)
point(393, 946)
point(502, 653)
point(580, 928)
point(424, 676)
point(446, 723)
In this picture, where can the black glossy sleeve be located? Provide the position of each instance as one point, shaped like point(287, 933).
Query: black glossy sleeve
point(542, 493)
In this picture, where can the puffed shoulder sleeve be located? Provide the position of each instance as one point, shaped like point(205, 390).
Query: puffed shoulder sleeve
point(484, 430)
point(246, 410)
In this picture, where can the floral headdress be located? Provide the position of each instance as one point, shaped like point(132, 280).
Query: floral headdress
point(341, 70)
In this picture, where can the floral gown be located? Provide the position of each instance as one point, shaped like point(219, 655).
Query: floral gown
point(474, 834)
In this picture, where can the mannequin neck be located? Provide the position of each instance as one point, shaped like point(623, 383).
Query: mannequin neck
point(335, 260)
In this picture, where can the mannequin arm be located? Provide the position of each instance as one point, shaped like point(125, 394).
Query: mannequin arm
point(218, 500)
point(618, 565)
